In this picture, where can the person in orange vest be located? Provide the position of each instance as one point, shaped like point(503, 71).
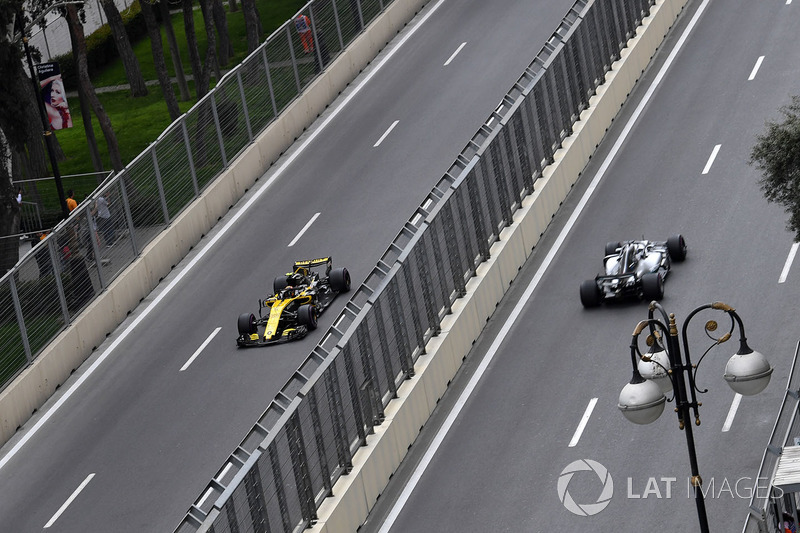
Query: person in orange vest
point(303, 26)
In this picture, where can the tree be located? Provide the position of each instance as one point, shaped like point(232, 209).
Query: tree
point(225, 51)
point(83, 78)
point(177, 64)
point(777, 155)
point(201, 72)
point(154, 32)
point(252, 24)
point(129, 62)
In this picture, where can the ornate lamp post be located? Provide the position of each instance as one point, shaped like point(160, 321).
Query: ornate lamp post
point(663, 368)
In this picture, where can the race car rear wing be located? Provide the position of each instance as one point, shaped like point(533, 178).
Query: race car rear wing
point(311, 263)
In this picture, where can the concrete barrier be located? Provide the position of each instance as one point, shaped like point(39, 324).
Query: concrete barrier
point(31, 389)
point(375, 463)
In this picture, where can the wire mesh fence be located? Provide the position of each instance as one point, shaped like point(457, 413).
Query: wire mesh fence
point(304, 441)
point(46, 290)
point(767, 503)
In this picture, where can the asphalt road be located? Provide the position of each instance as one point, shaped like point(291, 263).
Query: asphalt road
point(491, 456)
point(134, 444)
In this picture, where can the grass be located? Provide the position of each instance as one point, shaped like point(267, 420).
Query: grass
point(137, 122)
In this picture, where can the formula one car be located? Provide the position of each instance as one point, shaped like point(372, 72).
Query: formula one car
point(299, 298)
point(634, 269)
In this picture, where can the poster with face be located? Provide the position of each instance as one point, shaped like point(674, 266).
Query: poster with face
point(54, 96)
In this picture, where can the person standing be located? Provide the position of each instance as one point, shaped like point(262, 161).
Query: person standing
point(71, 203)
point(104, 222)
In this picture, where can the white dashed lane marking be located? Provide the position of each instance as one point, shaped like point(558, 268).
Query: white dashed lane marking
point(452, 57)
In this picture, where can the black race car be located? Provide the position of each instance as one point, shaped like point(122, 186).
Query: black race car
point(634, 269)
point(299, 298)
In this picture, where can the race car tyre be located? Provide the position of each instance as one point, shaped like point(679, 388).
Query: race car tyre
point(652, 286)
point(247, 324)
point(340, 279)
point(279, 284)
point(307, 316)
point(611, 247)
point(590, 293)
point(676, 247)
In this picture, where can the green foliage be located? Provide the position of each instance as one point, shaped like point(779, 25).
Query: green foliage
point(101, 50)
point(777, 155)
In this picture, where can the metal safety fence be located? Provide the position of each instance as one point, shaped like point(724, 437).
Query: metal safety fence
point(53, 283)
point(289, 461)
point(767, 503)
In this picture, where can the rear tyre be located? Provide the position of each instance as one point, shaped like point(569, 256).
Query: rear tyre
point(279, 284)
point(307, 316)
point(247, 324)
point(611, 247)
point(340, 279)
point(652, 286)
point(590, 293)
point(676, 247)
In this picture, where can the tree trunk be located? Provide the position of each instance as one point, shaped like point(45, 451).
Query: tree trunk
point(86, 116)
point(211, 41)
point(252, 24)
point(234, 6)
point(174, 51)
point(225, 51)
point(191, 41)
point(9, 210)
point(88, 88)
point(158, 58)
point(129, 61)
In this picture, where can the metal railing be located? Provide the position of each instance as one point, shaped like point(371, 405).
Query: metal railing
point(53, 283)
point(287, 464)
point(764, 511)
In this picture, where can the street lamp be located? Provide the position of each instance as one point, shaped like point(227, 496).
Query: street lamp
point(48, 135)
point(663, 368)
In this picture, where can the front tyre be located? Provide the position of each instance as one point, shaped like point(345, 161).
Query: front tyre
point(590, 293)
point(612, 247)
point(339, 279)
point(247, 324)
point(653, 286)
point(676, 246)
point(307, 316)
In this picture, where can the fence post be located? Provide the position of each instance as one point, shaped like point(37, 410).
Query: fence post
point(244, 105)
point(188, 147)
point(218, 129)
point(294, 59)
point(12, 285)
point(161, 195)
point(126, 206)
point(269, 82)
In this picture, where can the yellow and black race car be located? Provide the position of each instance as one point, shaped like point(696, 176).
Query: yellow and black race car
point(300, 297)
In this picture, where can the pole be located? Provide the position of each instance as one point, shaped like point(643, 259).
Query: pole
point(48, 135)
point(676, 361)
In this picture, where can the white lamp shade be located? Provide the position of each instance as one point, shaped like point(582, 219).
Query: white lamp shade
point(641, 403)
point(748, 374)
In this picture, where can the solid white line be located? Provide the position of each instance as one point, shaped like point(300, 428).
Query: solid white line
point(711, 158)
point(200, 349)
point(582, 425)
point(202, 252)
point(208, 493)
point(305, 228)
point(732, 413)
point(788, 264)
point(755, 69)
point(69, 501)
point(385, 134)
point(454, 54)
point(517, 311)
